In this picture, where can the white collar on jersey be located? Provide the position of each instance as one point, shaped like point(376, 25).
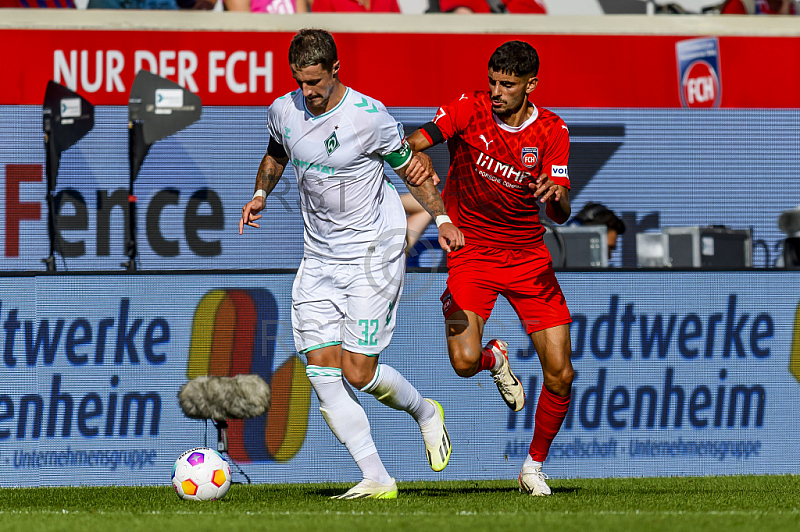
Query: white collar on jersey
point(516, 129)
point(329, 111)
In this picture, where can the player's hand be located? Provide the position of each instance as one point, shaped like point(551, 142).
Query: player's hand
point(545, 189)
point(250, 213)
point(450, 237)
point(419, 169)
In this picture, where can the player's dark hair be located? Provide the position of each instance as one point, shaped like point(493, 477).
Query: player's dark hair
point(312, 47)
point(515, 58)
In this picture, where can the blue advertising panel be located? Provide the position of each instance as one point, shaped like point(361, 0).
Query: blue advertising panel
point(676, 374)
point(655, 167)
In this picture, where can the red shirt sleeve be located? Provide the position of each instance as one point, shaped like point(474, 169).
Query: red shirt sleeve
point(453, 118)
point(556, 154)
point(351, 6)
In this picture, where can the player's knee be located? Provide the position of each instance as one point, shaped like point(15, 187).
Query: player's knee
point(560, 381)
point(465, 370)
point(463, 362)
point(358, 377)
point(566, 376)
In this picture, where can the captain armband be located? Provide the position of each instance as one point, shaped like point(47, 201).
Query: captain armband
point(275, 149)
point(433, 133)
point(400, 158)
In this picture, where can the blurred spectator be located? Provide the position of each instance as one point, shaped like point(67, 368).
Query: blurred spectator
point(133, 4)
point(354, 6)
point(200, 5)
point(276, 7)
point(759, 7)
point(264, 6)
point(599, 214)
point(37, 3)
point(492, 6)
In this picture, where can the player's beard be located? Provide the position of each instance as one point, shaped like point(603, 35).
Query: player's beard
point(506, 109)
point(317, 101)
point(500, 111)
point(320, 101)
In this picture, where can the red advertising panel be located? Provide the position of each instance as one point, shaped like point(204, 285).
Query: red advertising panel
point(250, 68)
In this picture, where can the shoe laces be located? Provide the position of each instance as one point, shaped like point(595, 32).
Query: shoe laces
point(538, 473)
point(500, 380)
point(499, 376)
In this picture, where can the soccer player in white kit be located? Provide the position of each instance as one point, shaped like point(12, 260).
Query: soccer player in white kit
point(344, 298)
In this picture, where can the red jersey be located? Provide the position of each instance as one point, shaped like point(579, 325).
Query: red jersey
point(759, 7)
point(353, 6)
point(491, 164)
point(481, 6)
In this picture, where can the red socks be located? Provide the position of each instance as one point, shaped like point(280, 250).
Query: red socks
point(487, 360)
point(550, 413)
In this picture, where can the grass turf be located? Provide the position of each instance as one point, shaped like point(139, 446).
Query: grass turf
point(745, 503)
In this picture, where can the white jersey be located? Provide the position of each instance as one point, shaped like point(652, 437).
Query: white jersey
point(350, 209)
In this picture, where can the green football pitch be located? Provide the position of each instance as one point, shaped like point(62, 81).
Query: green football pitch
point(762, 503)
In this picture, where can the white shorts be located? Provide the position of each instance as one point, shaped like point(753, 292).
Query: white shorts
point(354, 305)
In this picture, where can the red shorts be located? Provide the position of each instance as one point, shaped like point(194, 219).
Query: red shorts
point(525, 277)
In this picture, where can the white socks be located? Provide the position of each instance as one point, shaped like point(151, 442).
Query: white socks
point(392, 389)
point(347, 420)
point(530, 463)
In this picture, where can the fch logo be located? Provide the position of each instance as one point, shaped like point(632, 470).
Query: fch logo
point(529, 156)
point(233, 332)
point(698, 72)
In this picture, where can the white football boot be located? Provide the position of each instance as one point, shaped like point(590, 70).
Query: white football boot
point(437, 440)
point(532, 482)
point(507, 383)
point(369, 489)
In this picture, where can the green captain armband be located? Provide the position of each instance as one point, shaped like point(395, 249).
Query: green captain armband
point(400, 158)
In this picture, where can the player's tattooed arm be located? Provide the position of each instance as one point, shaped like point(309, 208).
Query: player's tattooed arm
point(450, 237)
point(426, 194)
point(269, 173)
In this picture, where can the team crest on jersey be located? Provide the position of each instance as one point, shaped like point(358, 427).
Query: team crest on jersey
point(331, 143)
point(447, 302)
point(530, 156)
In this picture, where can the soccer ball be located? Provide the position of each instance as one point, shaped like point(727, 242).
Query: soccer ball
point(201, 474)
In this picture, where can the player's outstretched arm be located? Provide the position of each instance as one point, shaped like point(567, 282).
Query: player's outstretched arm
point(418, 141)
point(420, 168)
point(269, 173)
point(450, 237)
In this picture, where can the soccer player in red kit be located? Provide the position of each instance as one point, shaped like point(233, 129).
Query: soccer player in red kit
point(507, 158)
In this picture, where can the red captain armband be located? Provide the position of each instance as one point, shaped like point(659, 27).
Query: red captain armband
point(432, 132)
